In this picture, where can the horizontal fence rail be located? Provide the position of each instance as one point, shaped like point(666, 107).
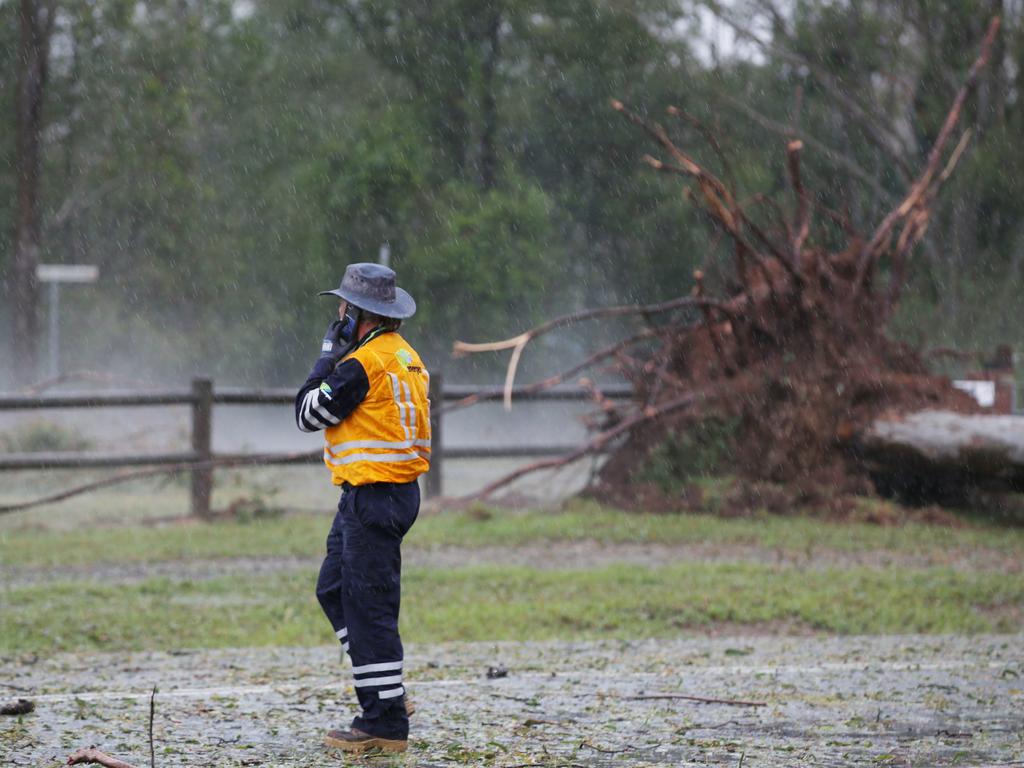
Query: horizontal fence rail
point(272, 396)
point(114, 399)
point(75, 460)
point(203, 396)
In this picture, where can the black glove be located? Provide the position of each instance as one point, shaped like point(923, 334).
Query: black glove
point(337, 339)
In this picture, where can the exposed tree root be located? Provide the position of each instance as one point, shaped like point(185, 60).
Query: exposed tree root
point(793, 352)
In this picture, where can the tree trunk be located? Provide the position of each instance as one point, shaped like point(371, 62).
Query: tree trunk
point(946, 449)
point(489, 107)
point(36, 20)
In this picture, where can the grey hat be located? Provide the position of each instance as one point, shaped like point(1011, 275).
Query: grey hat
point(372, 287)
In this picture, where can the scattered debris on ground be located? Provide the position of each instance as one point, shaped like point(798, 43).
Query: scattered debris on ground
point(851, 701)
point(19, 707)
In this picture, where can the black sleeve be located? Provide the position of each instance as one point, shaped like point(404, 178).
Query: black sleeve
point(328, 396)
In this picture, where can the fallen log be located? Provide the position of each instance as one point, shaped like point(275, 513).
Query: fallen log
point(945, 448)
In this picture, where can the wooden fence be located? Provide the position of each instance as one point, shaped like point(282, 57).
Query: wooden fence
point(202, 396)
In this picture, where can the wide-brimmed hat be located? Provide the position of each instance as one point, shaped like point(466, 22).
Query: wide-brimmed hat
point(372, 287)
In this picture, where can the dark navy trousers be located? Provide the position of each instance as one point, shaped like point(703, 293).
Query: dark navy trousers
point(360, 591)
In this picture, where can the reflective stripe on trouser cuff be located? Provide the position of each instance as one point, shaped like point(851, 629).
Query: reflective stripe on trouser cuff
point(384, 666)
point(342, 633)
point(390, 693)
point(379, 681)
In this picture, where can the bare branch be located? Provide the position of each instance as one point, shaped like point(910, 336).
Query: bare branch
point(622, 310)
point(553, 381)
point(518, 343)
point(802, 226)
point(595, 445)
point(729, 219)
point(837, 157)
point(712, 141)
point(922, 189)
point(882, 136)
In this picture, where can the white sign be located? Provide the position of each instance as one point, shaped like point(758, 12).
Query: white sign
point(982, 391)
point(67, 273)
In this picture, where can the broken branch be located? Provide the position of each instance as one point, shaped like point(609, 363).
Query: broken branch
point(558, 378)
point(518, 343)
point(93, 756)
point(919, 191)
point(802, 226)
point(700, 699)
point(594, 446)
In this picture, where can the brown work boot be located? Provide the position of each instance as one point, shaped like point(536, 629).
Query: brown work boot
point(410, 708)
point(357, 742)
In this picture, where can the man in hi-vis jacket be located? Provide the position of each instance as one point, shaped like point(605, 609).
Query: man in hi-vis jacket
point(368, 393)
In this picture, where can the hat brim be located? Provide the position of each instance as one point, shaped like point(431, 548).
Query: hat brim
point(404, 306)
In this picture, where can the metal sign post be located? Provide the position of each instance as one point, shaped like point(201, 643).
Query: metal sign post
point(55, 274)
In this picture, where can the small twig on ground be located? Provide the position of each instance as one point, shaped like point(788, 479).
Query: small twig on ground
point(701, 699)
point(596, 748)
point(91, 755)
point(701, 727)
point(520, 699)
point(152, 710)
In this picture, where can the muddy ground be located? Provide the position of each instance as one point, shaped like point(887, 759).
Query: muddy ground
point(854, 701)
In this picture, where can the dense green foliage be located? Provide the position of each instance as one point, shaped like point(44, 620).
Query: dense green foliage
point(221, 161)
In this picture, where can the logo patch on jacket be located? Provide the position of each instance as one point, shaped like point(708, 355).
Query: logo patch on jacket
point(404, 358)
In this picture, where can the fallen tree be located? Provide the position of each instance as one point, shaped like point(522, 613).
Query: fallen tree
point(937, 453)
point(792, 359)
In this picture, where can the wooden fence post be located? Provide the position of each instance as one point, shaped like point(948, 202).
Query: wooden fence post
point(202, 414)
point(435, 486)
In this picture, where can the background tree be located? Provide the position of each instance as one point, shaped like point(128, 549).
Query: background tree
point(35, 23)
point(222, 161)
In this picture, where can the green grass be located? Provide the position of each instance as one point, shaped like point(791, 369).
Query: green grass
point(303, 536)
point(506, 603)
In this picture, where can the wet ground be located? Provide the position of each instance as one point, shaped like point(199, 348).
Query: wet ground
point(543, 555)
point(856, 701)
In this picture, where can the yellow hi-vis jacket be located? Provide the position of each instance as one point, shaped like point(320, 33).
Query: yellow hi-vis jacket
point(386, 439)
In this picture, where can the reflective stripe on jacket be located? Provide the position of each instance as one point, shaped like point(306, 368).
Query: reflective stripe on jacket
point(387, 437)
